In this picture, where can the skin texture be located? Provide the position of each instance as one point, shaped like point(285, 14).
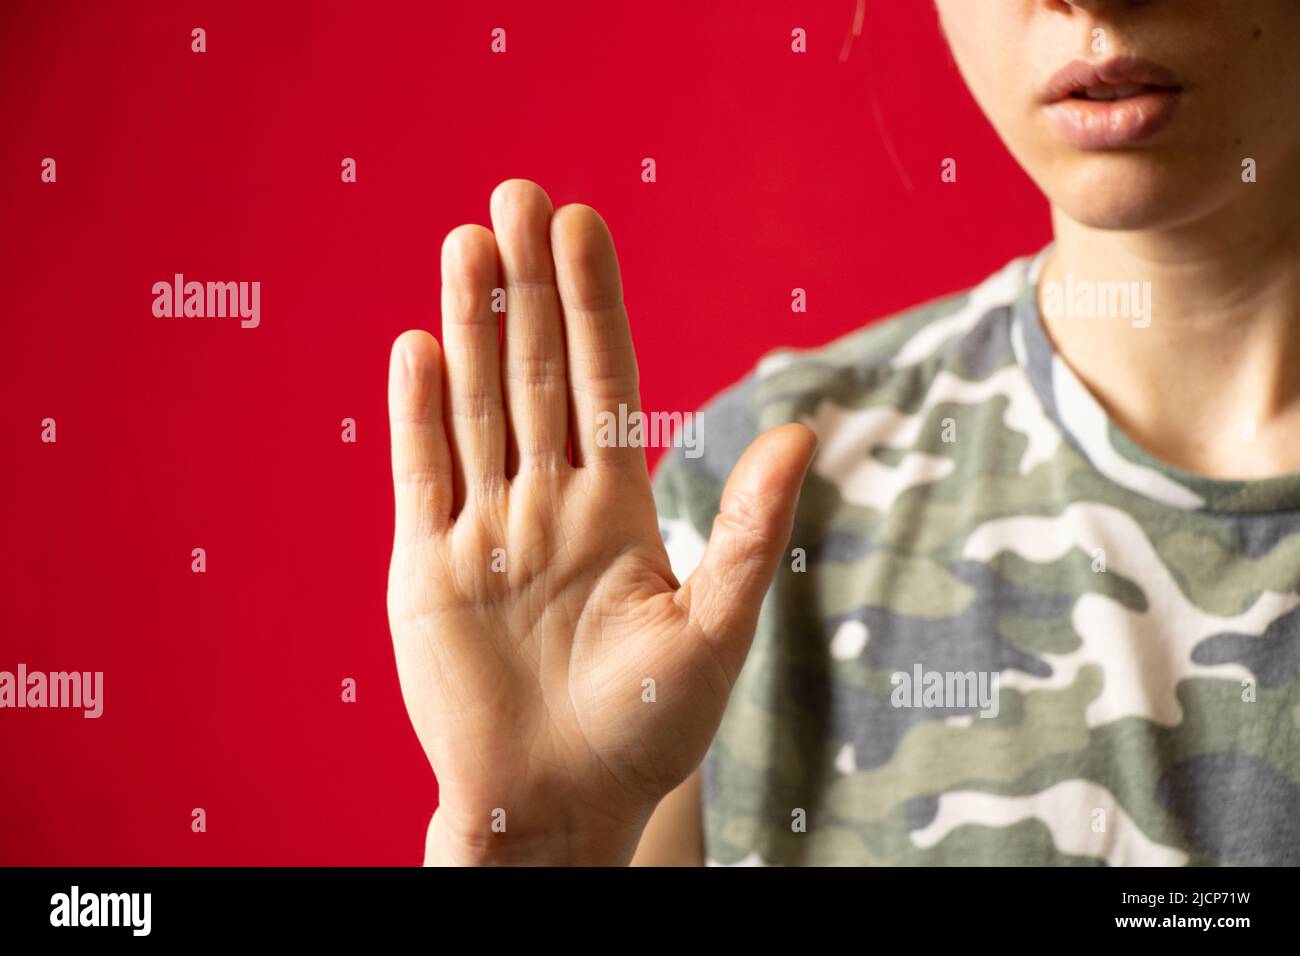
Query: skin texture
point(525, 685)
point(1237, 61)
point(1216, 362)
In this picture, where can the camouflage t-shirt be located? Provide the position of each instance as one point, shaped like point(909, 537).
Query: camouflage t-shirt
point(1002, 633)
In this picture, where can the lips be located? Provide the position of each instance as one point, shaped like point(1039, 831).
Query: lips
point(1121, 102)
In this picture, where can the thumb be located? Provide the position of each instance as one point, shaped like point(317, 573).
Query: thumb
point(749, 535)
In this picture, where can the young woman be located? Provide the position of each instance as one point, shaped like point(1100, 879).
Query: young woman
point(1027, 557)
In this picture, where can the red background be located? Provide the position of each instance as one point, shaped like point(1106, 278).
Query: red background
point(222, 690)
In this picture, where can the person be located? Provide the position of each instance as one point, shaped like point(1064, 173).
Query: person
point(1013, 577)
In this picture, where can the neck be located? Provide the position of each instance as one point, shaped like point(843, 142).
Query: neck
point(1203, 370)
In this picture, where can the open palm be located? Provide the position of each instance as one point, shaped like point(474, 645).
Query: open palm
point(559, 677)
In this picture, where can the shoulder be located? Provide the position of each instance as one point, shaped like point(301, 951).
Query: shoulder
point(892, 363)
point(957, 331)
point(966, 333)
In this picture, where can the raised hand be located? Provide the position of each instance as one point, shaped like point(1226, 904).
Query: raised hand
point(530, 596)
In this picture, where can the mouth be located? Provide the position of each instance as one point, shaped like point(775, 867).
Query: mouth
point(1121, 102)
point(1108, 93)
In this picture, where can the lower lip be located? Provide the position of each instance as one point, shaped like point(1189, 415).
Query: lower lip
point(1110, 124)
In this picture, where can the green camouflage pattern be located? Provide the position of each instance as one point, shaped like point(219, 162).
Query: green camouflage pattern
point(971, 510)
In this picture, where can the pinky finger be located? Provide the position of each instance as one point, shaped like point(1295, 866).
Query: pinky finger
point(422, 475)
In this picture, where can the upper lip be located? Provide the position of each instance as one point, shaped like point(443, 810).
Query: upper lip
point(1119, 71)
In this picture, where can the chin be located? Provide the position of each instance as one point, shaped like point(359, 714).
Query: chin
point(1127, 192)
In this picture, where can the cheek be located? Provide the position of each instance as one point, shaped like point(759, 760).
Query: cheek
point(1265, 116)
point(990, 42)
point(1010, 107)
point(1250, 113)
point(999, 92)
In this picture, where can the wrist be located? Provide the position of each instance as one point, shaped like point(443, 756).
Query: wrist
point(450, 843)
